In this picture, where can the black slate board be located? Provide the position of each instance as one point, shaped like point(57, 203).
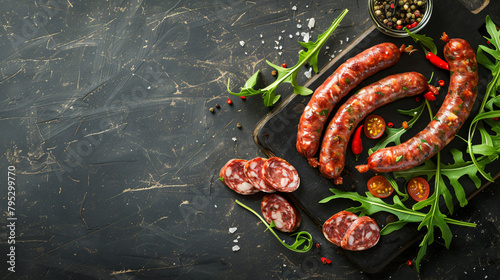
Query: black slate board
point(276, 133)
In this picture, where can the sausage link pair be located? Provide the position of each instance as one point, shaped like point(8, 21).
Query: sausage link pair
point(356, 108)
point(343, 80)
point(447, 121)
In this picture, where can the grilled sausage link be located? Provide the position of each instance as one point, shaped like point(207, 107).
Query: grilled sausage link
point(343, 80)
point(446, 123)
point(356, 108)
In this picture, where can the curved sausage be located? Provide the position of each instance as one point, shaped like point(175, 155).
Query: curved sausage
point(285, 217)
point(336, 226)
point(447, 121)
point(232, 175)
point(363, 234)
point(343, 80)
point(253, 171)
point(280, 175)
point(356, 108)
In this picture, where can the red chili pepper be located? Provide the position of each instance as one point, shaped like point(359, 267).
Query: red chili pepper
point(437, 61)
point(323, 260)
point(328, 261)
point(283, 65)
point(228, 101)
point(357, 144)
point(390, 124)
point(430, 96)
point(441, 83)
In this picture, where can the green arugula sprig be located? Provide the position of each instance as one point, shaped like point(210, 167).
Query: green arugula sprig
point(427, 43)
point(300, 237)
point(371, 205)
point(489, 145)
point(289, 75)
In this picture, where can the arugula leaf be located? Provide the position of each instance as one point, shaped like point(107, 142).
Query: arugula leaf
point(486, 111)
point(427, 43)
point(394, 134)
point(289, 75)
point(300, 237)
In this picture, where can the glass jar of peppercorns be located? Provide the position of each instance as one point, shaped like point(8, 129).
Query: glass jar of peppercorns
point(392, 16)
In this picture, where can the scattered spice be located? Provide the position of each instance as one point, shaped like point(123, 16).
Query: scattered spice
point(417, 99)
point(390, 124)
point(283, 65)
point(409, 262)
point(274, 73)
point(228, 101)
point(243, 97)
point(318, 245)
point(238, 125)
point(405, 125)
point(211, 110)
point(217, 106)
point(441, 83)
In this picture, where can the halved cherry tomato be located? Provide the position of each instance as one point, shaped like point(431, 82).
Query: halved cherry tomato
point(379, 186)
point(374, 126)
point(418, 189)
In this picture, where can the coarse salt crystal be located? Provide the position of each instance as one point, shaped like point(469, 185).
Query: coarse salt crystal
point(279, 37)
point(294, 8)
point(298, 33)
point(308, 74)
point(311, 23)
point(299, 26)
point(242, 43)
point(234, 139)
point(305, 36)
point(232, 229)
point(280, 53)
point(236, 248)
point(260, 35)
point(291, 36)
point(235, 241)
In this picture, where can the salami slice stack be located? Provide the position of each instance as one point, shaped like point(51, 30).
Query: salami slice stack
point(350, 232)
point(259, 174)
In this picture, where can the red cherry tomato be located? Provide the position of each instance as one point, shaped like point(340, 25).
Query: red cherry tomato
point(379, 186)
point(374, 126)
point(418, 189)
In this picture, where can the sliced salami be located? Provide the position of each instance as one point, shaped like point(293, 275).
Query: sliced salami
point(277, 209)
point(280, 175)
point(335, 228)
point(363, 234)
point(253, 171)
point(233, 176)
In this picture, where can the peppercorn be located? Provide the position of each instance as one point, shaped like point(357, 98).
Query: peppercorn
point(217, 106)
point(211, 110)
point(238, 125)
point(396, 14)
point(274, 73)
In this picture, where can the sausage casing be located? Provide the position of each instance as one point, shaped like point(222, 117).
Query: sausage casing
point(447, 121)
point(355, 109)
point(343, 80)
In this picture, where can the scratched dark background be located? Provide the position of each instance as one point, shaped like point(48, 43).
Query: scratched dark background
point(104, 113)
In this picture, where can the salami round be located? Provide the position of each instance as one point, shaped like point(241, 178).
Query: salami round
point(335, 228)
point(233, 175)
point(280, 175)
point(277, 209)
point(363, 234)
point(253, 171)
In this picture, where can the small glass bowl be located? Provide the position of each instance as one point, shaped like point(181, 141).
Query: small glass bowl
point(399, 33)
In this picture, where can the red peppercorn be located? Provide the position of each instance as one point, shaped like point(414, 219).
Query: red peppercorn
point(328, 261)
point(318, 245)
point(228, 101)
point(408, 26)
point(392, 6)
point(399, 27)
point(417, 99)
point(441, 83)
point(283, 65)
point(495, 118)
point(243, 97)
point(413, 25)
point(323, 260)
point(409, 262)
point(390, 124)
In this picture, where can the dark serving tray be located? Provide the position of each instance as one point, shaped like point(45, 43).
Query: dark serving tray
point(276, 133)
